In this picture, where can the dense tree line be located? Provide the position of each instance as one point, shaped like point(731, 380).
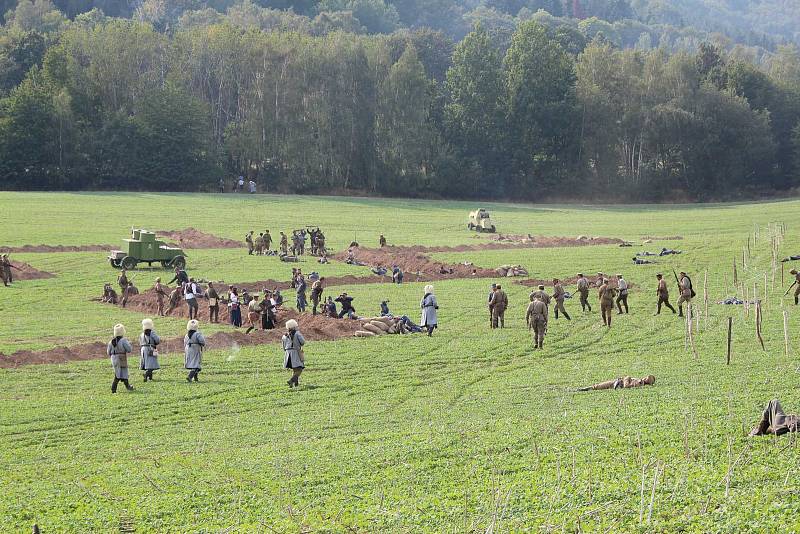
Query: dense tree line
point(321, 103)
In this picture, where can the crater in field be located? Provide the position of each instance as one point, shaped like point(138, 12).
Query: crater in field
point(191, 238)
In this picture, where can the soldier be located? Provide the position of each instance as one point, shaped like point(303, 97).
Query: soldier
point(559, 294)
point(267, 241)
point(687, 292)
point(599, 281)
point(174, 299)
point(606, 293)
point(180, 277)
point(663, 294)
point(775, 421)
point(498, 304)
point(382, 241)
point(316, 294)
point(160, 294)
point(489, 304)
point(583, 291)
point(294, 358)
point(148, 343)
point(8, 276)
point(622, 383)
point(249, 240)
point(797, 283)
point(190, 292)
point(302, 241)
point(123, 282)
point(253, 314)
point(536, 319)
point(193, 344)
point(320, 242)
point(118, 349)
point(622, 286)
point(301, 287)
point(544, 297)
point(213, 303)
point(284, 245)
point(109, 295)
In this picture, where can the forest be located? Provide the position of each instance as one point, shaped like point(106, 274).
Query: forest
point(507, 99)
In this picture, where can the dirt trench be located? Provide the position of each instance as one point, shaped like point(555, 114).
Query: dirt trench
point(24, 271)
point(192, 238)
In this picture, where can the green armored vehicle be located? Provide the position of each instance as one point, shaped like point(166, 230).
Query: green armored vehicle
point(143, 247)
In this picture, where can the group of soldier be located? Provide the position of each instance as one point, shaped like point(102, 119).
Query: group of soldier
point(5, 270)
point(262, 244)
point(537, 313)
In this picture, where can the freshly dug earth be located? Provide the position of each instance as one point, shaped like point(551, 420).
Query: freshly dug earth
point(668, 238)
point(416, 265)
point(26, 272)
point(191, 238)
point(505, 241)
point(56, 248)
point(314, 328)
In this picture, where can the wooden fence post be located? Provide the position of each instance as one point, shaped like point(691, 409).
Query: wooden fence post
point(730, 326)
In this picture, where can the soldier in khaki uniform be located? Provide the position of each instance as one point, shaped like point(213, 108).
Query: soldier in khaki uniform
point(797, 282)
point(541, 295)
point(267, 241)
point(599, 281)
point(622, 299)
point(123, 285)
point(498, 305)
point(662, 292)
point(622, 383)
point(249, 240)
point(160, 294)
point(559, 295)
point(536, 319)
point(687, 292)
point(606, 294)
point(583, 291)
point(284, 245)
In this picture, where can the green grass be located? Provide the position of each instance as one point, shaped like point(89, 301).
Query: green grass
point(463, 432)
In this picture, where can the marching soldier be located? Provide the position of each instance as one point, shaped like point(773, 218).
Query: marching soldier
point(606, 294)
point(687, 292)
point(559, 294)
point(498, 304)
point(118, 349)
point(663, 294)
point(536, 319)
point(622, 286)
point(148, 349)
point(583, 291)
point(193, 343)
point(249, 239)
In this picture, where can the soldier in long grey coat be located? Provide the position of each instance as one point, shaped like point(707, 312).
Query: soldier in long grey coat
point(429, 307)
point(148, 343)
point(119, 348)
point(294, 359)
point(193, 344)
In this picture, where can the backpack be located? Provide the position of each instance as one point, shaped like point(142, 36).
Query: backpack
point(691, 287)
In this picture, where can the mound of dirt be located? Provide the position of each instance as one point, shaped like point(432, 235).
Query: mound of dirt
point(668, 238)
point(56, 248)
point(416, 265)
point(314, 328)
point(506, 241)
point(191, 238)
point(24, 271)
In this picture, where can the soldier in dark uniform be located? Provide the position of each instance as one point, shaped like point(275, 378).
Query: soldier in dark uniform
point(775, 421)
point(382, 241)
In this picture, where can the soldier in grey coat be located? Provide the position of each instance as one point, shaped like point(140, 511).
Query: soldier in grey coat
point(294, 359)
point(429, 307)
point(119, 348)
point(193, 344)
point(148, 341)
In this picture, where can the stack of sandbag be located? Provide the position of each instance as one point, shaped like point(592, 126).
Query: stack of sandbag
point(377, 326)
point(511, 270)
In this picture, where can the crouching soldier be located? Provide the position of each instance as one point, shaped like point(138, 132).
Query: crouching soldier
point(193, 344)
point(119, 348)
point(536, 319)
point(148, 341)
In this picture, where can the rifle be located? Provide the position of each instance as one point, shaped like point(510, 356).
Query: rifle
point(790, 288)
point(676, 279)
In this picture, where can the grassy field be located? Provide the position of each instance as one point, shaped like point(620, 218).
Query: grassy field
point(468, 431)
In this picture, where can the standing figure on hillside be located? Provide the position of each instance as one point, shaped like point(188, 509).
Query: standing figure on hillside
point(542, 295)
point(536, 319)
point(599, 281)
point(622, 286)
point(662, 292)
point(301, 287)
point(382, 241)
point(583, 291)
point(253, 314)
point(119, 348)
point(8, 276)
point(429, 313)
point(258, 246)
point(267, 309)
point(235, 310)
point(190, 292)
point(284, 245)
point(193, 344)
point(148, 343)
point(123, 282)
point(606, 294)
point(498, 305)
point(213, 303)
point(249, 240)
point(687, 292)
point(160, 294)
point(267, 241)
point(294, 357)
point(489, 304)
point(559, 295)
point(317, 289)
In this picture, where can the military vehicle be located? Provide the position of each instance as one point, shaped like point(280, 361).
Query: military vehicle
point(143, 247)
point(480, 221)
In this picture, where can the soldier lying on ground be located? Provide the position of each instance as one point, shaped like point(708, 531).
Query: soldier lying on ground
point(791, 258)
point(637, 261)
point(622, 383)
point(775, 421)
point(669, 251)
point(647, 253)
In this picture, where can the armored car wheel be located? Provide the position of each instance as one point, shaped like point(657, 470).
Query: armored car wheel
point(179, 262)
point(128, 263)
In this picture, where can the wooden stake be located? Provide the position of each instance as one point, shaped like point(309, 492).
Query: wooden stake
point(730, 327)
point(781, 274)
point(758, 325)
point(735, 277)
point(786, 333)
point(705, 299)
